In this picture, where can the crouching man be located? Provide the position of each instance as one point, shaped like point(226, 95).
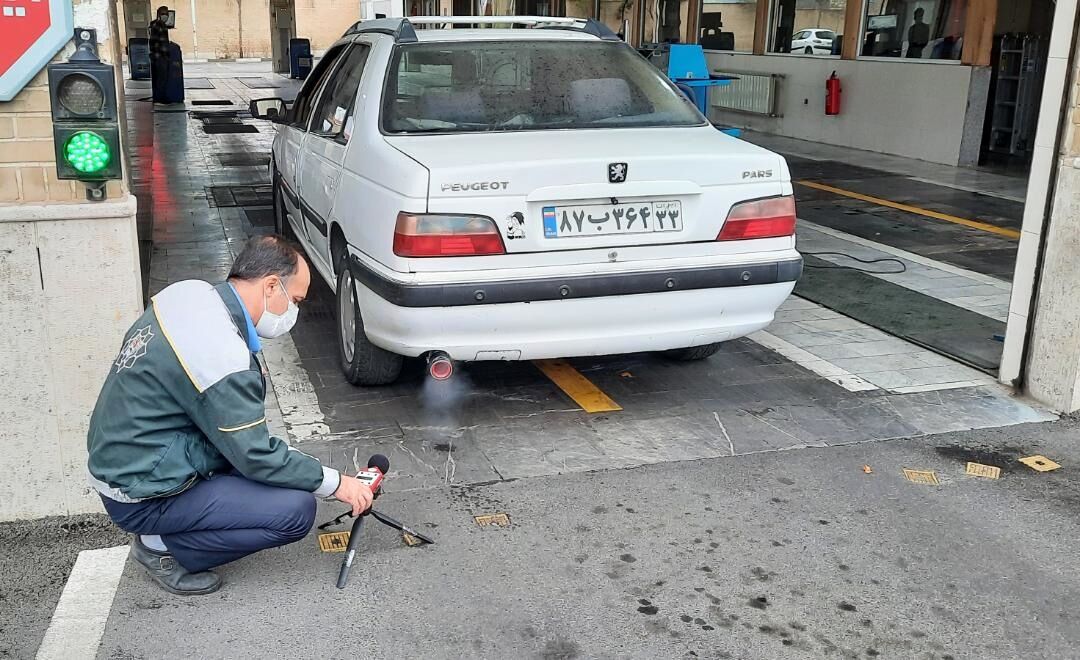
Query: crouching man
point(179, 448)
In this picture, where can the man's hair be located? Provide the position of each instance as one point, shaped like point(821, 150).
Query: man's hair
point(162, 10)
point(264, 256)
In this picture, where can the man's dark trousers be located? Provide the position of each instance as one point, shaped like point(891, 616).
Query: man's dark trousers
point(219, 520)
point(159, 77)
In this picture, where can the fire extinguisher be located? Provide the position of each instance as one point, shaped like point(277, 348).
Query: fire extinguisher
point(832, 95)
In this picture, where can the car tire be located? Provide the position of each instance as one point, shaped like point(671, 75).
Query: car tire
point(362, 362)
point(809, 50)
point(693, 353)
point(281, 222)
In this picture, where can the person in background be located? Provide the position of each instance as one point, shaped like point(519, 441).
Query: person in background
point(918, 35)
point(158, 31)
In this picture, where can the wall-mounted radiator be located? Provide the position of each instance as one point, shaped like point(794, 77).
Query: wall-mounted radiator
point(755, 93)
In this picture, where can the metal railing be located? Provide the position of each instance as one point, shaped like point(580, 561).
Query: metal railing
point(753, 93)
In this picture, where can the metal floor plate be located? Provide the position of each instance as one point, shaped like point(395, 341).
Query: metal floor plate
point(227, 196)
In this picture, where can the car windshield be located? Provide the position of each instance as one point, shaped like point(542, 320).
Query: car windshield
point(527, 85)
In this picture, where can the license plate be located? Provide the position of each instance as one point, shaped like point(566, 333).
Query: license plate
point(607, 219)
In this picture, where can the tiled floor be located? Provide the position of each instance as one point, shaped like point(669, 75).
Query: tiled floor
point(858, 357)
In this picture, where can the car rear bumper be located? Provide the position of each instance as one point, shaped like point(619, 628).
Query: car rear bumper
point(549, 324)
point(496, 292)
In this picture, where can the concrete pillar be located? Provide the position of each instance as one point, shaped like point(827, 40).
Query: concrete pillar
point(69, 288)
point(1042, 351)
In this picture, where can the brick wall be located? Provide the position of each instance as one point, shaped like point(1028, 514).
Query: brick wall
point(222, 29)
point(324, 21)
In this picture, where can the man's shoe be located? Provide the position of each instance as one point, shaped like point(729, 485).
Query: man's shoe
point(170, 575)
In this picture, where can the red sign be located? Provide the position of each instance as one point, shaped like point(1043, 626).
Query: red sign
point(31, 33)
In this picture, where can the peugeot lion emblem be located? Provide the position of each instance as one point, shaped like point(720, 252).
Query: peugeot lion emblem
point(616, 172)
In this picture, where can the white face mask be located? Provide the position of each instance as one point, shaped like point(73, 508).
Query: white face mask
point(273, 325)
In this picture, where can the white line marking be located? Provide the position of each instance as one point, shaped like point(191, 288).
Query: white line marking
point(909, 256)
point(731, 445)
point(295, 394)
point(807, 360)
point(78, 622)
point(970, 189)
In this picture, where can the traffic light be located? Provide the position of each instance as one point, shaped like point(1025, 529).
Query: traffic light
point(86, 133)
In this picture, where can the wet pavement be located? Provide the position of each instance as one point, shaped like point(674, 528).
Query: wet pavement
point(798, 554)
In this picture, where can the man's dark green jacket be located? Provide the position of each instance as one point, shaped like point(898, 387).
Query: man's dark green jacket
point(184, 400)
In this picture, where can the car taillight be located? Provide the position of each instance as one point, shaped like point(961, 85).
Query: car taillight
point(761, 218)
point(439, 235)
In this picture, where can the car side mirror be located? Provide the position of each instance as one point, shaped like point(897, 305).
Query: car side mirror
point(271, 109)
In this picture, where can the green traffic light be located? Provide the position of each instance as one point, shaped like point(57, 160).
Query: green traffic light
point(87, 152)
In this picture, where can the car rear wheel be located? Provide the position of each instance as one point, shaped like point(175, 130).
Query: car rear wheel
point(809, 50)
point(364, 363)
point(693, 353)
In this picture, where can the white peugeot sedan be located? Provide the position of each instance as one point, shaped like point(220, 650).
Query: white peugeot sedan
point(515, 194)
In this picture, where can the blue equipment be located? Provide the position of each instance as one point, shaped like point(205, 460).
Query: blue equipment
point(300, 60)
point(138, 52)
point(685, 65)
point(174, 82)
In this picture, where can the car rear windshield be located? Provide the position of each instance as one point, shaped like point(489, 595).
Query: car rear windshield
point(527, 85)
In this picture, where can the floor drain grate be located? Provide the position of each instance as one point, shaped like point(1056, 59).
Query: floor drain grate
point(211, 102)
point(215, 129)
point(260, 217)
point(227, 196)
point(243, 159)
point(258, 83)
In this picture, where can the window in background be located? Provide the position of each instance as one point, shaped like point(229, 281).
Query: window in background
point(807, 27)
point(579, 9)
point(618, 15)
point(915, 29)
point(728, 25)
point(667, 21)
point(495, 8)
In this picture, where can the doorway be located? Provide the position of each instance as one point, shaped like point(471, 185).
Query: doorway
point(137, 18)
point(282, 30)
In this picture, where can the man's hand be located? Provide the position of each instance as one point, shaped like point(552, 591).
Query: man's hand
point(354, 492)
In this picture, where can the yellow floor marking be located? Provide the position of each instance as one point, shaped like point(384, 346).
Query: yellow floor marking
point(980, 470)
point(334, 541)
point(1040, 463)
point(925, 477)
point(577, 387)
point(974, 224)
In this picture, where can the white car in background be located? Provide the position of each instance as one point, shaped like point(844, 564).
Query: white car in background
point(816, 41)
point(515, 194)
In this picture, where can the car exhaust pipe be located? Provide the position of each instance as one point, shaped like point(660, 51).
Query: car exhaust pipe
point(439, 365)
